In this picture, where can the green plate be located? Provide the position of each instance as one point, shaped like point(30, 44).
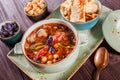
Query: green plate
point(94, 37)
point(111, 29)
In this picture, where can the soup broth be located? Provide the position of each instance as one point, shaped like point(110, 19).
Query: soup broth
point(50, 43)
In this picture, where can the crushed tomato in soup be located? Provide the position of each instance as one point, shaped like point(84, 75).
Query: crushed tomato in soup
point(50, 43)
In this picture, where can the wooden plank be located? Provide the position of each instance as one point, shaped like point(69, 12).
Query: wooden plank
point(9, 11)
point(8, 71)
point(13, 10)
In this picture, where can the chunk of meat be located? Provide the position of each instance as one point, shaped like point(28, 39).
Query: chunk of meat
point(42, 32)
point(58, 37)
point(31, 38)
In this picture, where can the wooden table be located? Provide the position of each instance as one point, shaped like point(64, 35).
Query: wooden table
point(13, 10)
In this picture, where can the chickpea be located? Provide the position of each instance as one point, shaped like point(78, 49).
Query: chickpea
point(49, 62)
point(56, 56)
point(54, 60)
point(44, 59)
point(50, 57)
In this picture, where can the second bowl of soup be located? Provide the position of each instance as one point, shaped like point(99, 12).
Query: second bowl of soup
point(51, 45)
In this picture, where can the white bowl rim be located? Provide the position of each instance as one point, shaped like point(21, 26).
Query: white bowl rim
point(40, 23)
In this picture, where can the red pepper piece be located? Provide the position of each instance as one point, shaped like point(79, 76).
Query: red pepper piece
point(42, 52)
point(57, 38)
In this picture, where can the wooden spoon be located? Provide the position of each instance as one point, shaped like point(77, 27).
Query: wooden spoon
point(100, 60)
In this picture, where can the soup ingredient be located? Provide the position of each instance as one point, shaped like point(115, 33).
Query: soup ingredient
point(54, 60)
point(37, 46)
point(52, 49)
point(43, 59)
point(50, 43)
point(50, 56)
point(8, 29)
point(79, 10)
point(49, 62)
point(32, 38)
point(42, 52)
point(56, 56)
point(49, 40)
point(36, 60)
point(42, 32)
point(58, 37)
point(35, 7)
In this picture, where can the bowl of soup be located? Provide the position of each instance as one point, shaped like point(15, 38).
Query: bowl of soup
point(51, 45)
point(83, 13)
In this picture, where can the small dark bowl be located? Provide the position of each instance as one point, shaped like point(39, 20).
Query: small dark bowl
point(14, 38)
point(40, 16)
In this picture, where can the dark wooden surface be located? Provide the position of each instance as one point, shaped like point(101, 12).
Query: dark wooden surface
point(13, 10)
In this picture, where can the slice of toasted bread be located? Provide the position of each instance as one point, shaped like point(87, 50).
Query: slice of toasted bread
point(77, 11)
point(66, 8)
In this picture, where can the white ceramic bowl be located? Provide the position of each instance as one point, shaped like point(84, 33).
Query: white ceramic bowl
point(61, 65)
